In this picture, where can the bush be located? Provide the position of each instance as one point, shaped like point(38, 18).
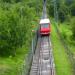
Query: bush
point(73, 27)
point(15, 24)
point(72, 8)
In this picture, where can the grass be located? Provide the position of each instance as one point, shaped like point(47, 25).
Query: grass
point(67, 32)
point(63, 66)
point(13, 65)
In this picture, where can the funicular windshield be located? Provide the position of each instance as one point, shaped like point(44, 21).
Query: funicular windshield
point(45, 25)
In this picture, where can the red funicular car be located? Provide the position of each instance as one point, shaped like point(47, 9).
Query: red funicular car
point(45, 28)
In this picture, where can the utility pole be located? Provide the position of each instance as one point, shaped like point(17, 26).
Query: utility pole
point(55, 11)
point(44, 13)
point(37, 2)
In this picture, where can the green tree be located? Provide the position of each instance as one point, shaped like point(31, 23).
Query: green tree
point(15, 26)
point(72, 9)
point(73, 27)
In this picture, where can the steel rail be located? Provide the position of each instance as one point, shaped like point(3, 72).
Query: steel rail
point(43, 62)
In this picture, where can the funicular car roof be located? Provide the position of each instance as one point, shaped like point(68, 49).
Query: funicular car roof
point(42, 21)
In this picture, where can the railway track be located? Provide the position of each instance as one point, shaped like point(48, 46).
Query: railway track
point(43, 62)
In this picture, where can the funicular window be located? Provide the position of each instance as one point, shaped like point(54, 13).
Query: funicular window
point(44, 25)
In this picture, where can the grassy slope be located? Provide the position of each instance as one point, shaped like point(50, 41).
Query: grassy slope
point(12, 65)
point(62, 62)
point(66, 29)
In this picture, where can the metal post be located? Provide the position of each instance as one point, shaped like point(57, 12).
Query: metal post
point(44, 13)
point(55, 11)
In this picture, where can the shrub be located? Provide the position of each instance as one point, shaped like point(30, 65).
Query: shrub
point(73, 27)
point(15, 25)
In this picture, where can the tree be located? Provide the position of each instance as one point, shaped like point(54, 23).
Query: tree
point(73, 27)
point(15, 25)
point(72, 9)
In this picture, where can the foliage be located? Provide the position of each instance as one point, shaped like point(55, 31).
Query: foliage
point(73, 27)
point(64, 8)
point(72, 9)
point(15, 24)
point(62, 62)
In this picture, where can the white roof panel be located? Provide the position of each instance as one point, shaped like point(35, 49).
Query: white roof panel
point(44, 21)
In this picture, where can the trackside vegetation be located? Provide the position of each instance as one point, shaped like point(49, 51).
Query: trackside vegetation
point(14, 24)
point(66, 26)
point(62, 62)
point(66, 32)
point(17, 18)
